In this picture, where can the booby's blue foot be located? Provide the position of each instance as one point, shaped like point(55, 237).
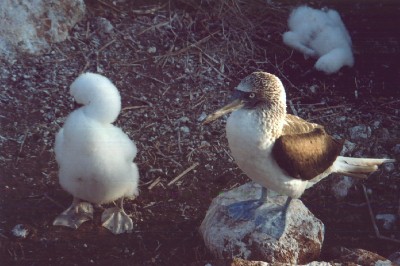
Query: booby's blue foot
point(243, 210)
point(272, 221)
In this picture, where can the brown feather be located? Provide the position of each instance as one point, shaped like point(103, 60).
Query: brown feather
point(306, 155)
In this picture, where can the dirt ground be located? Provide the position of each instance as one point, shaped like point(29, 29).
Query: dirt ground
point(174, 62)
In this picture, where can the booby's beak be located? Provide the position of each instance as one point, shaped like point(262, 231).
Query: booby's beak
point(236, 104)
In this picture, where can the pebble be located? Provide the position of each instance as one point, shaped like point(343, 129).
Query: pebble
point(348, 147)
point(184, 119)
point(20, 231)
point(360, 132)
point(202, 116)
point(388, 220)
point(152, 50)
point(105, 25)
point(389, 167)
point(185, 129)
point(341, 188)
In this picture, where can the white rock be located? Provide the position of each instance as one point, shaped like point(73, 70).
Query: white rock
point(300, 242)
point(203, 116)
point(185, 129)
point(152, 50)
point(313, 88)
point(341, 188)
point(30, 26)
point(20, 231)
point(104, 25)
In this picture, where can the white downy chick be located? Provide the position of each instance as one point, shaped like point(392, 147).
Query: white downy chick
point(322, 34)
point(95, 158)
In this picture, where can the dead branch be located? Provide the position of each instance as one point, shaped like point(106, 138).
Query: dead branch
point(376, 229)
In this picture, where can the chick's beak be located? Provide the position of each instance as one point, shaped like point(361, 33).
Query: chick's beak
point(236, 104)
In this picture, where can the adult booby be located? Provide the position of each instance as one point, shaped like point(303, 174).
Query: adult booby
point(95, 157)
point(279, 151)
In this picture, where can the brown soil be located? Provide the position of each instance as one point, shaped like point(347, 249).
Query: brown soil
point(173, 63)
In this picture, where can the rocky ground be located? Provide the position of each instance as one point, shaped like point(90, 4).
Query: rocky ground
point(174, 63)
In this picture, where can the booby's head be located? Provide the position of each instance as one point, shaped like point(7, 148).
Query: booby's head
point(98, 95)
point(260, 91)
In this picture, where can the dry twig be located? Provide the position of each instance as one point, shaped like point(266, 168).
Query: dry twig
point(134, 107)
point(158, 179)
point(376, 229)
point(183, 173)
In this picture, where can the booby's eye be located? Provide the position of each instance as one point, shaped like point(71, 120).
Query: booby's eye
point(252, 95)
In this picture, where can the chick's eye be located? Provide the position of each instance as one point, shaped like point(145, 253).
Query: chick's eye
point(252, 95)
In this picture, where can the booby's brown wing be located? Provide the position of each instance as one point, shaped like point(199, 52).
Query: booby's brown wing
point(306, 154)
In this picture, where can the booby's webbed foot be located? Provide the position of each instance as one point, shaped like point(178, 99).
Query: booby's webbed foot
point(243, 210)
point(272, 221)
point(78, 213)
point(116, 220)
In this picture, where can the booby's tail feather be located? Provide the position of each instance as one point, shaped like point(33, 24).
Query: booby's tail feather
point(358, 167)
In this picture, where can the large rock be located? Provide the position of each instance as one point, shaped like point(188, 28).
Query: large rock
point(299, 241)
point(240, 262)
point(30, 26)
point(357, 256)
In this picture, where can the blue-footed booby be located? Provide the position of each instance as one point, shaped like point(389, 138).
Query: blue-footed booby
point(280, 151)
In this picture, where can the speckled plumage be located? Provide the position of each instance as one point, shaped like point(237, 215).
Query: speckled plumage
point(280, 151)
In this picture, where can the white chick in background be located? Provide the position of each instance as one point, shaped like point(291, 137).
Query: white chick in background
point(322, 34)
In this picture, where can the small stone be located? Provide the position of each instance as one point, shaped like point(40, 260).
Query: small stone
point(152, 50)
point(184, 119)
point(185, 129)
point(348, 147)
point(20, 231)
point(388, 167)
point(341, 188)
point(387, 220)
point(205, 144)
point(203, 116)
point(376, 124)
point(104, 25)
point(361, 132)
point(313, 88)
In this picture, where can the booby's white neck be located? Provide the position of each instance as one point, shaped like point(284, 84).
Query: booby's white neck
point(253, 127)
